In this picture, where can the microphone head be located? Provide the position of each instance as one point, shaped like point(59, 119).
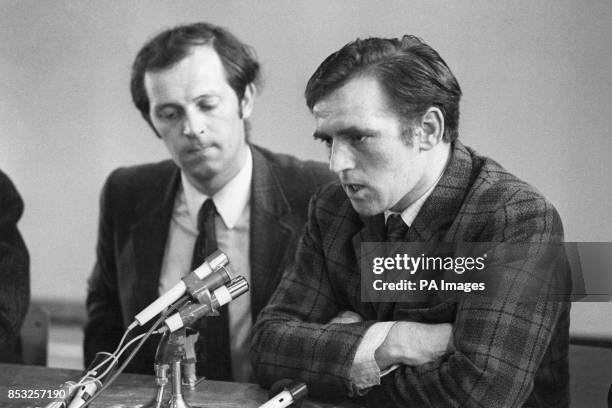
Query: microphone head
point(298, 390)
point(217, 260)
point(279, 386)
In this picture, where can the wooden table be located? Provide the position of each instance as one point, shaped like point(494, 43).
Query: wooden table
point(131, 390)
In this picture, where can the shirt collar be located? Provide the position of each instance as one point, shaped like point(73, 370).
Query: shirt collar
point(230, 200)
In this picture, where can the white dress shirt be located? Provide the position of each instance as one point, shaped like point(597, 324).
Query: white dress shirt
point(232, 233)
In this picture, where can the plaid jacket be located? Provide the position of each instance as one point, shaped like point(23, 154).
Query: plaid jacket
point(508, 354)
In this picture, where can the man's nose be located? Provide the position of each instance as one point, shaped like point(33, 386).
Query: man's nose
point(340, 157)
point(194, 124)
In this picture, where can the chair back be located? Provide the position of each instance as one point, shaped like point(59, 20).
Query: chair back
point(34, 336)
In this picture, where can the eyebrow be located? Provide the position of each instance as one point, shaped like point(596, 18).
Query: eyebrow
point(165, 105)
point(348, 131)
point(194, 99)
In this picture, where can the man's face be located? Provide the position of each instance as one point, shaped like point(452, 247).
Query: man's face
point(199, 117)
point(378, 169)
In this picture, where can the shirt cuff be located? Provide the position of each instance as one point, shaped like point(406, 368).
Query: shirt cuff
point(364, 372)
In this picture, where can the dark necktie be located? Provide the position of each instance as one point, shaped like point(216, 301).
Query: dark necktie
point(395, 228)
point(213, 345)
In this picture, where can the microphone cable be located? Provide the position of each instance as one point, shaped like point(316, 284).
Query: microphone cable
point(178, 304)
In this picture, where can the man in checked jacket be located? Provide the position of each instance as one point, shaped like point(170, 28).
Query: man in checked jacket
point(388, 109)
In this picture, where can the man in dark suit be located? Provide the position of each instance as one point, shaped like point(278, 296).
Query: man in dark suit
point(388, 109)
point(195, 85)
point(14, 271)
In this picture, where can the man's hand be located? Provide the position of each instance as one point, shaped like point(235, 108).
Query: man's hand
point(413, 343)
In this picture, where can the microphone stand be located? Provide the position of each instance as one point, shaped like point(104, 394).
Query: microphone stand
point(173, 350)
point(176, 347)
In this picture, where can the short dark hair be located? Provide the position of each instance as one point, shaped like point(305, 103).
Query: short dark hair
point(413, 75)
point(172, 45)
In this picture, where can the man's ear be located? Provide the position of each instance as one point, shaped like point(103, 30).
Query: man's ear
point(431, 128)
point(248, 101)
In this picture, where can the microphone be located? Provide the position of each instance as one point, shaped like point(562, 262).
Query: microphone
point(193, 311)
point(210, 275)
point(63, 395)
point(84, 393)
point(98, 371)
point(291, 392)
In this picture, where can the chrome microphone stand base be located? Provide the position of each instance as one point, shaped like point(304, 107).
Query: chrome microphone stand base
point(177, 400)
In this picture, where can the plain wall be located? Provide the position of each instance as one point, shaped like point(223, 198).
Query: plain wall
point(535, 77)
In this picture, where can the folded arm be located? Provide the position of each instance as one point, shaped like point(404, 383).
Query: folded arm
point(501, 342)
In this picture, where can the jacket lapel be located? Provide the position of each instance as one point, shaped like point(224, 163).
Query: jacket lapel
point(430, 225)
point(149, 236)
point(271, 232)
point(373, 230)
point(441, 208)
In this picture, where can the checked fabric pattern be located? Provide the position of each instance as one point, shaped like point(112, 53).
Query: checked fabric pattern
point(508, 354)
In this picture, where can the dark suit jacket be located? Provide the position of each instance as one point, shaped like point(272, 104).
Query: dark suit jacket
point(14, 271)
point(136, 209)
point(508, 354)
